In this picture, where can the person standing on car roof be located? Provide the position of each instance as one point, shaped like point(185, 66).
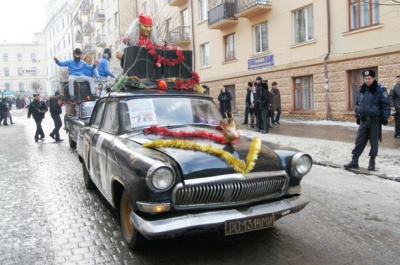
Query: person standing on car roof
point(372, 109)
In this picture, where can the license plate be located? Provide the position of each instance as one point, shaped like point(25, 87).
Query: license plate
point(248, 224)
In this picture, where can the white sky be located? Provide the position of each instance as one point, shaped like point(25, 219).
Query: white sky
point(19, 19)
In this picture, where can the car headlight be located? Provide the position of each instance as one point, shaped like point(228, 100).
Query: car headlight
point(301, 164)
point(160, 177)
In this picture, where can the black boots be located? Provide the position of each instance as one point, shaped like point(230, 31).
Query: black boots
point(371, 164)
point(353, 163)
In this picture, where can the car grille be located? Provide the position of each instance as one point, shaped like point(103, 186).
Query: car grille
point(213, 195)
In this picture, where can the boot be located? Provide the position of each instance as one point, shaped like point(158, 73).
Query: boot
point(371, 165)
point(353, 163)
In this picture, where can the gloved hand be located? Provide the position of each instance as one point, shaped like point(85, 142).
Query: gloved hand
point(384, 121)
point(358, 120)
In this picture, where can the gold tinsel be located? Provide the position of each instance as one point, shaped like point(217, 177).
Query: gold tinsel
point(235, 163)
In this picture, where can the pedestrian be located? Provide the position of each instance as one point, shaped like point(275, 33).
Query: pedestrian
point(275, 103)
point(247, 110)
point(224, 99)
point(55, 112)
point(257, 109)
point(250, 100)
point(75, 69)
point(394, 96)
point(37, 109)
point(264, 106)
point(104, 72)
point(371, 111)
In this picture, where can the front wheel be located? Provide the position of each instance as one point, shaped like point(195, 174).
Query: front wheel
point(86, 177)
point(132, 237)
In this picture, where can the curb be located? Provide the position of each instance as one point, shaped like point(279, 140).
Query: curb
point(361, 171)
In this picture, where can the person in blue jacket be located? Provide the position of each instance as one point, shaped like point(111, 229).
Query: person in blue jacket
point(76, 71)
point(104, 72)
point(371, 111)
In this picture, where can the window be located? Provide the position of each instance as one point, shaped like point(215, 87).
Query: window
point(303, 25)
point(7, 86)
point(203, 10)
point(355, 81)
point(304, 93)
point(144, 8)
point(205, 54)
point(261, 37)
point(230, 47)
point(20, 71)
point(6, 71)
point(5, 57)
point(363, 13)
point(33, 57)
point(19, 56)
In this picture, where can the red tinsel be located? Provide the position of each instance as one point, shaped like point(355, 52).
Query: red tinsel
point(164, 61)
point(181, 134)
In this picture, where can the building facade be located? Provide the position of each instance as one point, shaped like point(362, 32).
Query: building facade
point(23, 66)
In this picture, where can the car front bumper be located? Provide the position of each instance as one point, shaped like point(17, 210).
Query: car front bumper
point(212, 220)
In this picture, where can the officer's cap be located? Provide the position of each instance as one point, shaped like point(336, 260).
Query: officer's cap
point(368, 73)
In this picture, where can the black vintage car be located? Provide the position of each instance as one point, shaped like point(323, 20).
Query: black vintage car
point(158, 157)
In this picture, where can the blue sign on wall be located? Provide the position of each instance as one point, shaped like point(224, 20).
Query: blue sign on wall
point(261, 62)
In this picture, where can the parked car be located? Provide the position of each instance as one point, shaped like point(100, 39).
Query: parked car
point(158, 157)
point(77, 116)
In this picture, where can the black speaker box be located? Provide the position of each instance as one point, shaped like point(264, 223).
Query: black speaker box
point(182, 70)
point(81, 90)
point(138, 62)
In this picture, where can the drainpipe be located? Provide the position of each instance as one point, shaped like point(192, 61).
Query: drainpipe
point(327, 107)
point(193, 39)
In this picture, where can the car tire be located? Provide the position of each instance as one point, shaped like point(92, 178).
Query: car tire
point(86, 177)
point(72, 143)
point(132, 237)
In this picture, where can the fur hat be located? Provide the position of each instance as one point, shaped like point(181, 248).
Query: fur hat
point(368, 73)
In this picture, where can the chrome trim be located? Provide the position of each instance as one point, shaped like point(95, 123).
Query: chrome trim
point(154, 167)
point(233, 189)
point(213, 220)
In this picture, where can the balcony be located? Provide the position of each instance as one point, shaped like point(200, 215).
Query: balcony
point(101, 41)
point(83, 8)
point(251, 8)
point(99, 15)
point(88, 28)
point(177, 2)
point(89, 5)
point(222, 16)
point(89, 49)
point(78, 38)
point(179, 35)
point(77, 20)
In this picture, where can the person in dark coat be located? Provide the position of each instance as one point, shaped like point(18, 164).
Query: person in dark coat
point(264, 106)
point(372, 109)
point(37, 109)
point(224, 99)
point(55, 111)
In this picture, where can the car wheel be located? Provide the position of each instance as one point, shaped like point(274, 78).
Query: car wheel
point(132, 237)
point(86, 177)
point(72, 143)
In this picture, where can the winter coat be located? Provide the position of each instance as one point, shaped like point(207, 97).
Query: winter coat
point(225, 102)
point(275, 98)
point(394, 97)
point(37, 109)
point(372, 101)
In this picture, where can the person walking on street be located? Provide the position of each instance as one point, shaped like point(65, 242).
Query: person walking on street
point(250, 101)
point(247, 110)
point(37, 109)
point(276, 103)
point(55, 111)
point(394, 96)
point(265, 101)
point(224, 99)
point(372, 109)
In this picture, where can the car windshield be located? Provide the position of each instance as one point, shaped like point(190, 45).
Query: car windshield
point(139, 113)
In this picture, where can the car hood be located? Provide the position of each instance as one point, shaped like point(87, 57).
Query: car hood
point(196, 164)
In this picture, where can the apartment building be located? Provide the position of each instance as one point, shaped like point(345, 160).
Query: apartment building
point(23, 66)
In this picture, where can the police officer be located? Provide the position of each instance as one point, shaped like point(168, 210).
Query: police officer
point(55, 111)
point(372, 109)
point(37, 109)
point(394, 96)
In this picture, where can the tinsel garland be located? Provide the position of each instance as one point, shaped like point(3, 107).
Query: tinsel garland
point(235, 163)
point(163, 131)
